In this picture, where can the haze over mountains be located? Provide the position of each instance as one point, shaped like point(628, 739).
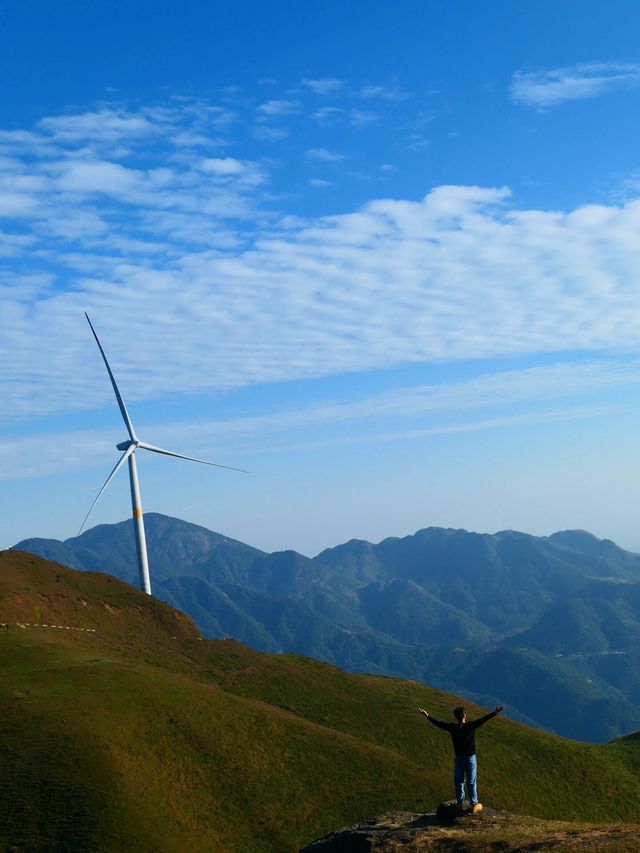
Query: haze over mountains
point(549, 626)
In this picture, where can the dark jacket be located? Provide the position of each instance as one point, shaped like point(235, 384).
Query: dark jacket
point(463, 735)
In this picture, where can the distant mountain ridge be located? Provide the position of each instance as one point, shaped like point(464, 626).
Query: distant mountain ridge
point(542, 624)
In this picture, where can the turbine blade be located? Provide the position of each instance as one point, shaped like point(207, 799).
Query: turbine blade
point(123, 408)
point(118, 465)
point(155, 449)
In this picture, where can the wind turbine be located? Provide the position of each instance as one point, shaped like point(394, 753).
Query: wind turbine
point(129, 448)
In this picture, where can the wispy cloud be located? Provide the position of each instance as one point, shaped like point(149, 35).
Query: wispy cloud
point(97, 176)
point(267, 133)
point(323, 85)
point(106, 125)
point(325, 155)
point(550, 88)
point(230, 169)
point(277, 108)
point(362, 118)
point(484, 403)
point(329, 115)
point(197, 281)
point(383, 93)
point(417, 142)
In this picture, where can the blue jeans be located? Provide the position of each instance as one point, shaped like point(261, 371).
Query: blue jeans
point(466, 765)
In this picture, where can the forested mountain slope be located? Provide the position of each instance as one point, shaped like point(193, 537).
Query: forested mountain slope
point(541, 624)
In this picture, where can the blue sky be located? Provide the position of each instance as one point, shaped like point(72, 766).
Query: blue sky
point(384, 256)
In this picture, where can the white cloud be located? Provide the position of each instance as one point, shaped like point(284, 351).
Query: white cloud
point(104, 125)
point(383, 93)
point(451, 277)
point(324, 85)
point(12, 245)
point(12, 180)
point(16, 204)
point(221, 118)
point(265, 133)
point(329, 115)
point(228, 168)
point(77, 224)
point(325, 155)
point(278, 108)
point(96, 177)
point(18, 137)
point(198, 283)
point(224, 166)
point(319, 182)
point(192, 139)
point(587, 80)
point(362, 118)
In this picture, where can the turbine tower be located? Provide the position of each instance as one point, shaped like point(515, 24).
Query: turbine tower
point(128, 449)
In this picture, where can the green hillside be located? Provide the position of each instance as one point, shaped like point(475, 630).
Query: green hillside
point(537, 623)
point(138, 735)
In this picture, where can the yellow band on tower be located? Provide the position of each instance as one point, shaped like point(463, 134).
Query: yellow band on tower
point(137, 512)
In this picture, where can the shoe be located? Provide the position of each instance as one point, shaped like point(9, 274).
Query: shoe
point(460, 808)
point(476, 808)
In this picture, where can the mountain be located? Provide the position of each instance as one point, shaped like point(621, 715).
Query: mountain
point(537, 623)
point(177, 548)
point(121, 729)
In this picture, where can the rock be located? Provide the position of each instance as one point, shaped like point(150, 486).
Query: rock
point(402, 831)
point(445, 830)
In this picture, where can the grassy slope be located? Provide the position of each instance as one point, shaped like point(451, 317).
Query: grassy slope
point(143, 737)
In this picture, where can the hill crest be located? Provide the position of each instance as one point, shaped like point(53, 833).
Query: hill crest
point(37, 592)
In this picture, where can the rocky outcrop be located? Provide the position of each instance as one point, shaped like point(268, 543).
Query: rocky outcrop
point(401, 831)
point(445, 830)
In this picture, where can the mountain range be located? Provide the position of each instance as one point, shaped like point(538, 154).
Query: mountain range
point(549, 626)
point(121, 729)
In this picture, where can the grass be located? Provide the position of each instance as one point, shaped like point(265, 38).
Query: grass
point(144, 737)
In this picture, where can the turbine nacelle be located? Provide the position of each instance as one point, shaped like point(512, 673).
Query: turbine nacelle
point(125, 445)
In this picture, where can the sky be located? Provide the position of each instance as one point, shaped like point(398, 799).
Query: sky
point(385, 257)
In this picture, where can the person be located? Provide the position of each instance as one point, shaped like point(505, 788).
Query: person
point(463, 736)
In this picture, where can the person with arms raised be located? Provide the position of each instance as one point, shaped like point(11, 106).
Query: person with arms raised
point(463, 736)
